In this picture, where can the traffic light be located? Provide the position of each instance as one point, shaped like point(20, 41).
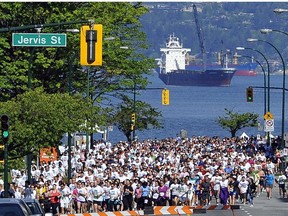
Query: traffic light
point(165, 97)
point(133, 121)
point(5, 128)
point(133, 118)
point(2, 153)
point(249, 94)
point(91, 45)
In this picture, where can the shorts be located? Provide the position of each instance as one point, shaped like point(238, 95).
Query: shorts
point(205, 195)
point(269, 186)
point(97, 202)
point(64, 205)
point(173, 196)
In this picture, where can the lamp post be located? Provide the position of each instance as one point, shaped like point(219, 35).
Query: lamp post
point(283, 87)
point(268, 76)
point(264, 73)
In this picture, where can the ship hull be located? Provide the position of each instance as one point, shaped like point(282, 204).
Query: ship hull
point(245, 73)
point(246, 69)
point(209, 77)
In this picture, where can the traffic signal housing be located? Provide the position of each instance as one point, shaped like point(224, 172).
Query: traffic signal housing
point(249, 94)
point(91, 45)
point(133, 121)
point(2, 153)
point(5, 128)
point(165, 97)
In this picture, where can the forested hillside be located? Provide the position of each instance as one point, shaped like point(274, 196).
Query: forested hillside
point(224, 25)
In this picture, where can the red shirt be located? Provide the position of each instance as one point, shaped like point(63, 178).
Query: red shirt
point(54, 196)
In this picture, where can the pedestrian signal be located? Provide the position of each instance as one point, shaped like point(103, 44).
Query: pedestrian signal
point(165, 97)
point(249, 94)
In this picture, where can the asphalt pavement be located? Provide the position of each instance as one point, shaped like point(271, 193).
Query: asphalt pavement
point(262, 207)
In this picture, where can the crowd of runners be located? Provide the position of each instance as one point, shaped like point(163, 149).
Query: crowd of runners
point(172, 171)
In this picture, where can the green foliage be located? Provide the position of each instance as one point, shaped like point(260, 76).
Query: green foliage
point(53, 69)
point(38, 119)
point(50, 66)
point(145, 116)
point(233, 121)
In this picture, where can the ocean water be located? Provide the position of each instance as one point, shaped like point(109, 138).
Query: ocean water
point(196, 109)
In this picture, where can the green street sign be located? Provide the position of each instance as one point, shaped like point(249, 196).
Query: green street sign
point(39, 39)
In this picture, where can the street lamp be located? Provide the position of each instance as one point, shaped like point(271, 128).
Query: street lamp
point(266, 31)
point(283, 87)
point(268, 71)
point(264, 73)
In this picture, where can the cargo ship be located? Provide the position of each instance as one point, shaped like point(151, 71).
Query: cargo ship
point(175, 70)
point(244, 69)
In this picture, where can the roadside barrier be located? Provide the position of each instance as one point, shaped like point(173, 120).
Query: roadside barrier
point(119, 213)
point(162, 210)
point(172, 210)
point(217, 207)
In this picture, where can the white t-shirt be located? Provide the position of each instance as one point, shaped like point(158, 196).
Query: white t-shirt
point(224, 183)
point(82, 193)
point(216, 180)
point(174, 188)
point(97, 193)
point(114, 193)
point(243, 186)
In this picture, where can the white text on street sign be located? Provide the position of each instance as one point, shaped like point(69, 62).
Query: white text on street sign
point(39, 39)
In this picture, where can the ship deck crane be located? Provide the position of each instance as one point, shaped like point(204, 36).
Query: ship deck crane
point(200, 36)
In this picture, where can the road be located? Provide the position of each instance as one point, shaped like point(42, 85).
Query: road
point(262, 207)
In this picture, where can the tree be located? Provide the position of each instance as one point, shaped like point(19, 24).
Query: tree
point(38, 119)
point(50, 67)
point(234, 121)
point(145, 116)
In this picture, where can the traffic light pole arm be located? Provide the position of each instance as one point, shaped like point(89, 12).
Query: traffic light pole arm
point(43, 25)
point(261, 87)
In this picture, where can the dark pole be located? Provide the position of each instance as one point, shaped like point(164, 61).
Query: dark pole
point(264, 73)
point(69, 134)
point(13, 28)
point(134, 107)
point(29, 155)
point(87, 97)
point(268, 77)
point(283, 91)
point(284, 74)
point(6, 169)
point(5, 138)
